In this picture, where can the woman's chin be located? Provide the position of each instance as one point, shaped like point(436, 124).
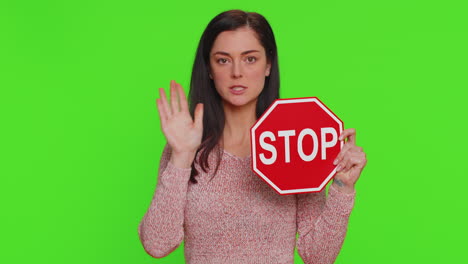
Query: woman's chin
point(239, 102)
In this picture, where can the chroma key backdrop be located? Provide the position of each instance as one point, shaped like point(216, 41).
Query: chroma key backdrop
point(81, 140)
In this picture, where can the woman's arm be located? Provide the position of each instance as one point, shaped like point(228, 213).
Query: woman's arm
point(161, 229)
point(322, 224)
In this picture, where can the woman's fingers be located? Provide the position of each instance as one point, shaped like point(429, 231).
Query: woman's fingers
point(349, 161)
point(162, 114)
point(349, 133)
point(353, 157)
point(341, 154)
point(174, 97)
point(182, 98)
point(178, 101)
point(183, 133)
point(198, 115)
point(164, 103)
point(342, 162)
point(161, 111)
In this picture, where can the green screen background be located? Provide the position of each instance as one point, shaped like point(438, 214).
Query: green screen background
point(81, 141)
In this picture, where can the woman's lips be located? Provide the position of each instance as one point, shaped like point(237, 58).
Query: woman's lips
point(237, 89)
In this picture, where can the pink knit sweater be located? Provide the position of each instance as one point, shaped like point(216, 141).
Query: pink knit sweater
point(235, 217)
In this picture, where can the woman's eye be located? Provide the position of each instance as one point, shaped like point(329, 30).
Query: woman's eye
point(251, 59)
point(222, 61)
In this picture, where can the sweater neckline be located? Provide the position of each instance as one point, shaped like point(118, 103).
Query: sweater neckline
point(237, 157)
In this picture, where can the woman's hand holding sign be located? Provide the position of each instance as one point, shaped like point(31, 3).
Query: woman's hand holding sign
point(350, 162)
point(183, 133)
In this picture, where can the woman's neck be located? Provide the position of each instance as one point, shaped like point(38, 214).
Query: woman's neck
point(238, 121)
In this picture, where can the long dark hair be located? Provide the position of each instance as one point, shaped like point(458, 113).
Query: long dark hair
point(202, 89)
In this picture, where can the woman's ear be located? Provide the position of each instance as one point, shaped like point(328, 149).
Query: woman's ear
point(209, 73)
point(267, 71)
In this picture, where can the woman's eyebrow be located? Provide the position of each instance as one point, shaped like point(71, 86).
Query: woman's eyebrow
point(227, 54)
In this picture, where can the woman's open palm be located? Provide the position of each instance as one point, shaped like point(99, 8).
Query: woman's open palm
point(183, 133)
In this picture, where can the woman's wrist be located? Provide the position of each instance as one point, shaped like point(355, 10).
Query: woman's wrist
point(342, 187)
point(182, 160)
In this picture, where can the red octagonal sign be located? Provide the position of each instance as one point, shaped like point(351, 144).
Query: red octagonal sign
point(294, 144)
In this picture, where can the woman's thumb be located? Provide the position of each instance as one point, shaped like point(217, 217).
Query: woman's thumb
point(199, 116)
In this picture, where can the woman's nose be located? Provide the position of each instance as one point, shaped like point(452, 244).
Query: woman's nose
point(236, 70)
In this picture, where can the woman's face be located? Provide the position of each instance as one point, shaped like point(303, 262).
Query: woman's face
point(238, 66)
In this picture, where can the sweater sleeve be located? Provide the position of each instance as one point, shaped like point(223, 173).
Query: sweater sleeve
point(322, 224)
point(161, 229)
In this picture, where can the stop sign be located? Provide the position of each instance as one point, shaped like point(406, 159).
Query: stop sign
point(294, 144)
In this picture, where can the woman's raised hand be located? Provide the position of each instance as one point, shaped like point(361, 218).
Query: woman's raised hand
point(183, 133)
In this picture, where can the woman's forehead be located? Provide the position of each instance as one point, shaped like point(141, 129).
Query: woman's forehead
point(237, 41)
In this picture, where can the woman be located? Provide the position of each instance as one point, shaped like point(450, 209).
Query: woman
point(207, 194)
